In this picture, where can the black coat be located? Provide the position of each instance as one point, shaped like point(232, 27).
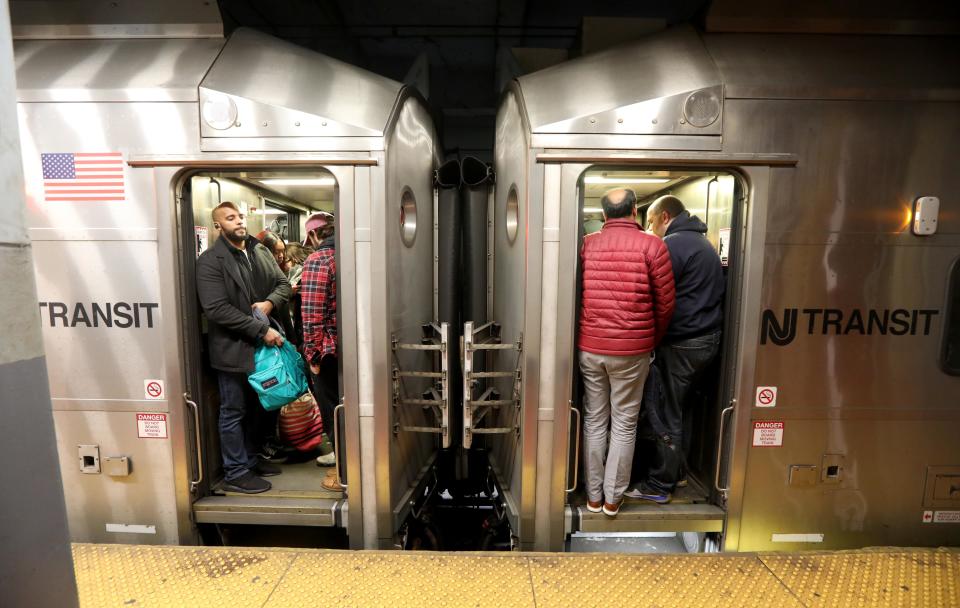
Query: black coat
point(227, 302)
point(698, 278)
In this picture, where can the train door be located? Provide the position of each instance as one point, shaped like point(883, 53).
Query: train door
point(279, 201)
point(694, 517)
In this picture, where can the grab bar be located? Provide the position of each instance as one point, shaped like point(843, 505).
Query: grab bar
point(336, 442)
point(195, 484)
point(723, 416)
point(576, 455)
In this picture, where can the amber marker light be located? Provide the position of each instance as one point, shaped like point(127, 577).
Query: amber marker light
point(907, 218)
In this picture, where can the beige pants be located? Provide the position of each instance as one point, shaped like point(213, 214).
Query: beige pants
point(614, 389)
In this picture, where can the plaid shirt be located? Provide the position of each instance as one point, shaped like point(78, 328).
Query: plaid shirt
point(318, 292)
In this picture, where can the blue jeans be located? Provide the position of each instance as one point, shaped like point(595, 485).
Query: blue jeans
point(239, 412)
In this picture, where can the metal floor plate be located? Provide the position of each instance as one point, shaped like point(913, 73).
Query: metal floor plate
point(125, 575)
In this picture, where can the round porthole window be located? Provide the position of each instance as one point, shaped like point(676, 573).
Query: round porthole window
point(408, 217)
point(219, 111)
point(513, 213)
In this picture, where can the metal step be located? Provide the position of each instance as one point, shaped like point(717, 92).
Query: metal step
point(645, 516)
point(270, 511)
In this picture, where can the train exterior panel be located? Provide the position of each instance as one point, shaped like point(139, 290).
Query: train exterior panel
point(115, 277)
point(835, 303)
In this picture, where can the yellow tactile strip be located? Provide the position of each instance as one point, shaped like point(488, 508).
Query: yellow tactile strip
point(130, 575)
point(127, 575)
point(870, 578)
point(656, 580)
point(423, 580)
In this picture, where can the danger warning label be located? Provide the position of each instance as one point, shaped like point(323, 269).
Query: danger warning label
point(152, 425)
point(767, 433)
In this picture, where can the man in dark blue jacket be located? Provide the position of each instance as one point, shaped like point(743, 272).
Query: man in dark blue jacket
point(693, 337)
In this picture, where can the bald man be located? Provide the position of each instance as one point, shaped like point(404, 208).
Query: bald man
point(625, 309)
point(235, 277)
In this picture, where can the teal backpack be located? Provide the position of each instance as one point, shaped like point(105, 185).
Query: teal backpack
point(278, 375)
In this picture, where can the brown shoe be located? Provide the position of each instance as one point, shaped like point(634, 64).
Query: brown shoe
point(330, 483)
point(611, 510)
point(594, 506)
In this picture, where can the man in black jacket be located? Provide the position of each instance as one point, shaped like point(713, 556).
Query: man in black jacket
point(234, 277)
point(692, 340)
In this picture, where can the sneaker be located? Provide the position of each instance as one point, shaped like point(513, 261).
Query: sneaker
point(327, 460)
point(642, 492)
point(594, 506)
point(248, 483)
point(326, 446)
point(611, 510)
point(265, 469)
point(272, 451)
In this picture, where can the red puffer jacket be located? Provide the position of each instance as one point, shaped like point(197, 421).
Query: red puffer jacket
point(628, 292)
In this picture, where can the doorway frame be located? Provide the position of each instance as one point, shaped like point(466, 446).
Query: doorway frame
point(563, 205)
point(353, 176)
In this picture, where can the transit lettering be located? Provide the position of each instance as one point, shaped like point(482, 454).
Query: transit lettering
point(782, 329)
point(121, 315)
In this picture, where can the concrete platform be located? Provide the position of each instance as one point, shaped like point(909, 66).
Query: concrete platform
point(125, 575)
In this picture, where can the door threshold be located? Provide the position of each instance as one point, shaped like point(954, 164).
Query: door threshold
point(261, 510)
point(644, 516)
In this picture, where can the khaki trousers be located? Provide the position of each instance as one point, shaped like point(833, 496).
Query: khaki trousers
point(614, 390)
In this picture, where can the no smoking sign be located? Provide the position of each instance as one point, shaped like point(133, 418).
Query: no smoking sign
point(766, 396)
point(153, 389)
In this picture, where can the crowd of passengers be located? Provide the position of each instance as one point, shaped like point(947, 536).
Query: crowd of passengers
point(650, 324)
point(261, 290)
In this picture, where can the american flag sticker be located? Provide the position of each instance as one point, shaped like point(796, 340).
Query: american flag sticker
point(83, 177)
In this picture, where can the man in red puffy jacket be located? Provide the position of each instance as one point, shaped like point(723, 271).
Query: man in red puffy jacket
point(628, 299)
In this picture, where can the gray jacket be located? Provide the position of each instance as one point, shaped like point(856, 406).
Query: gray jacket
point(227, 302)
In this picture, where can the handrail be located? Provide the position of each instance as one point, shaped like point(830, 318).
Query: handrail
point(576, 455)
point(720, 443)
point(195, 484)
point(336, 442)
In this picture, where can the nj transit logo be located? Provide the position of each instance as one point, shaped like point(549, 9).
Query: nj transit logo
point(782, 330)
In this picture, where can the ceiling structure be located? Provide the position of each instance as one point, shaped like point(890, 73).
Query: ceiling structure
point(462, 54)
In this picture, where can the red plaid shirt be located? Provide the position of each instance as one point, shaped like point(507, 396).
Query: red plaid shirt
point(318, 292)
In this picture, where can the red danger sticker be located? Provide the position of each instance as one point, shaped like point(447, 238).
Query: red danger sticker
point(151, 425)
point(767, 433)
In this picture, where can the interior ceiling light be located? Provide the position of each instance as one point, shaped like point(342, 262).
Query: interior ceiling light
point(299, 181)
point(596, 179)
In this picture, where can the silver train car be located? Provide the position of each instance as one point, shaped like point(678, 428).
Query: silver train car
point(829, 421)
point(814, 160)
point(128, 144)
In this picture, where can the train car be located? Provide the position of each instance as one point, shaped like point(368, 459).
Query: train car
point(130, 136)
point(817, 163)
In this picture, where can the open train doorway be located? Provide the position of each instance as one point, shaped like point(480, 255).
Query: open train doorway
point(297, 510)
point(689, 517)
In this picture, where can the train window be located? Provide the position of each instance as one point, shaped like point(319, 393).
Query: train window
point(513, 213)
point(281, 220)
point(950, 349)
point(408, 217)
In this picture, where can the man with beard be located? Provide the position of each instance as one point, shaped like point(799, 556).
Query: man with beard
point(235, 277)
